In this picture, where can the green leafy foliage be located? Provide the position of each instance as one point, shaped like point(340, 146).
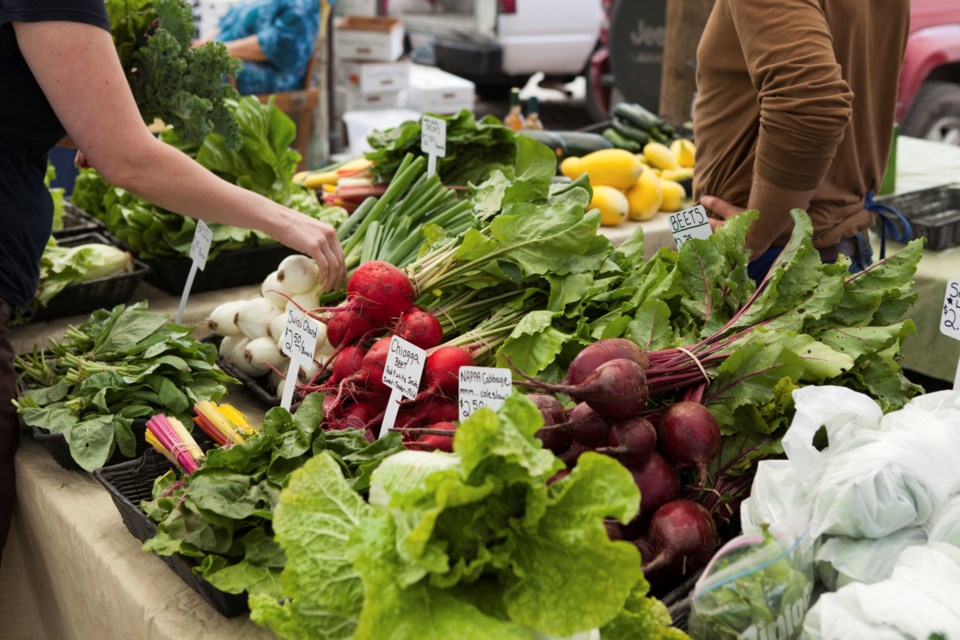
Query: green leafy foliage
point(474, 544)
point(221, 516)
point(62, 266)
point(122, 364)
point(183, 86)
point(475, 149)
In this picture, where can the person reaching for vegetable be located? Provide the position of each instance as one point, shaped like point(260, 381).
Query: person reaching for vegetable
point(795, 109)
point(275, 39)
point(61, 75)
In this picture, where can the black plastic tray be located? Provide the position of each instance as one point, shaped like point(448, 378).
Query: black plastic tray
point(234, 268)
point(57, 445)
point(77, 221)
point(131, 482)
point(933, 213)
point(84, 297)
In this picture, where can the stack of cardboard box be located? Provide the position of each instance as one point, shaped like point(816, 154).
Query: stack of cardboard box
point(369, 71)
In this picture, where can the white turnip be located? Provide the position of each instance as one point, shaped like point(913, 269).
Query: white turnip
point(254, 317)
point(297, 274)
point(261, 355)
point(223, 319)
point(272, 291)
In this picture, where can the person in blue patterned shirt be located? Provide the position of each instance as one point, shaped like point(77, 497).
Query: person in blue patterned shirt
point(275, 40)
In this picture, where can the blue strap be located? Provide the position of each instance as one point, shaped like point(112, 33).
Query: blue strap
point(889, 217)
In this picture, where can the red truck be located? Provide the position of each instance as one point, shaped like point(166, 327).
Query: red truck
point(928, 104)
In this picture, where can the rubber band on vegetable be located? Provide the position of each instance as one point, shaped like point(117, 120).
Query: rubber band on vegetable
point(696, 361)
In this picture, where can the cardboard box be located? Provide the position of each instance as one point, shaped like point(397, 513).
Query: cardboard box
point(348, 99)
point(433, 90)
point(374, 77)
point(374, 39)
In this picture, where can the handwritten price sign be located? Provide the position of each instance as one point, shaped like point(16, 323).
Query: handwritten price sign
point(950, 320)
point(300, 337)
point(483, 387)
point(690, 224)
point(200, 248)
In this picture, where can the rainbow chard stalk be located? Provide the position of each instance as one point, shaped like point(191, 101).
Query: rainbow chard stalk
point(170, 437)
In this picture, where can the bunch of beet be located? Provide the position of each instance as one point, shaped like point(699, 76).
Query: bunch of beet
point(607, 380)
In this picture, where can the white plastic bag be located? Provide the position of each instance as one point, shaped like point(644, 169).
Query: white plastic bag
point(776, 495)
point(944, 524)
point(917, 601)
point(842, 560)
point(877, 476)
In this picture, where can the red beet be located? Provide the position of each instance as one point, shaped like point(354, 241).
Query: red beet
point(550, 408)
point(658, 482)
point(600, 352)
point(617, 389)
point(347, 328)
point(689, 435)
point(682, 535)
point(420, 328)
point(631, 441)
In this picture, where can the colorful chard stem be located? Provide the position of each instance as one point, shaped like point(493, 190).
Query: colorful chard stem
point(223, 423)
point(169, 437)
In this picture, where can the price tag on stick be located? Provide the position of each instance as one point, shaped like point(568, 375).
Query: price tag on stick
point(690, 224)
point(402, 374)
point(950, 319)
point(433, 141)
point(483, 387)
point(199, 251)
point(299, 344)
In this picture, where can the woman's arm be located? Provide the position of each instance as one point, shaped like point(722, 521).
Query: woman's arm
point(77, 67)
point(247, 48)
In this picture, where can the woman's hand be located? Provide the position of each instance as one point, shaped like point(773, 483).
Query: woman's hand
point(319, 241)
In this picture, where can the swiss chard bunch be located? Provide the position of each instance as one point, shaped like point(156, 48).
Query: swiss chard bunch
point(476, 544)
point(122, 364)
point(221, 515)
point(185, 87)
point(475, 148)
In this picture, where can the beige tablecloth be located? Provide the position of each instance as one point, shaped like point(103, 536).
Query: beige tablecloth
point(71, 570)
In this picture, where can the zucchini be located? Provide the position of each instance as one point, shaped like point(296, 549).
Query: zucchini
point(629, 131)
point(637, 116)
point(621, 142)
point(550, 139)
point(580, 143)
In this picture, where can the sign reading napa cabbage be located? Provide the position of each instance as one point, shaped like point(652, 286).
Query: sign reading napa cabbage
point(470, 545)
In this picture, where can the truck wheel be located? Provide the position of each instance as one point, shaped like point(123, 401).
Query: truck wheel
point(936, 113)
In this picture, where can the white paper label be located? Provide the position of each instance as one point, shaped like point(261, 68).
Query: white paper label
point(200, 248)
point(690, 224)
point(433, 136)
point(483, 387)
point(300, 336)
point(404, 367)
point(950, 320)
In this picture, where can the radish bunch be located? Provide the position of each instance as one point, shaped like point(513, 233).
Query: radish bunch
point(608, 382)
point(253, 329)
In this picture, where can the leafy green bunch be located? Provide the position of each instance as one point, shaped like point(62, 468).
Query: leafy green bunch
point(478, 544)
point(221, 515)
point(475, 148)
point(183, 86)
point(122, 364)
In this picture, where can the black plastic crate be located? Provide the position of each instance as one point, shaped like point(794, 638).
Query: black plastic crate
point(77, 221)
point(131, 482)
point(56, 444)
point(84, 297)
point(933, 213)
point(234, 268)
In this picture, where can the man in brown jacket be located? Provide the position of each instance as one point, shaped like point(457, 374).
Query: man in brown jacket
point(795, 108)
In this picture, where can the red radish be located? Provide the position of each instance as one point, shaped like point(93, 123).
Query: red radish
point(631, 441)
point(617, 389)
point(550, 408)
point(420, 328)
point(435, 441)
point(441, 373)
point(682, 534)
point(347, 328)
point(602, 351)
point(379, 292)
point(689, 435)
point(346, 363)
point(658, 482)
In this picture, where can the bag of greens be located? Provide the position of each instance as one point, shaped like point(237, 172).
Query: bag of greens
point(757, 587)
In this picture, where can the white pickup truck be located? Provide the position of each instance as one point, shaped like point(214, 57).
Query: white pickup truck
point(501, 43)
